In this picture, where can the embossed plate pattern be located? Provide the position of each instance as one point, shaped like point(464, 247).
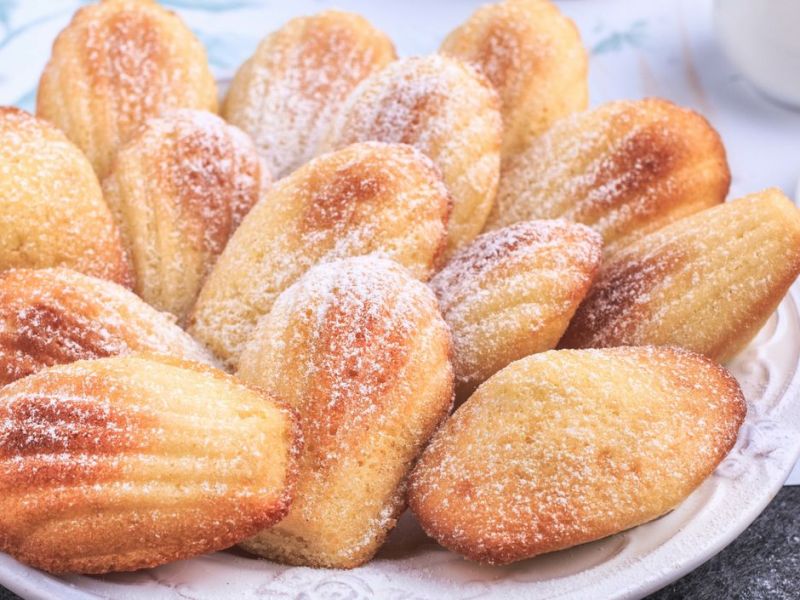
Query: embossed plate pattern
point(638, 48)
point(628, 565)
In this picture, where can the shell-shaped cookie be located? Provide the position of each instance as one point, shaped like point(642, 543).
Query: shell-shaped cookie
point(286, 95)
point(534, 57)
point(57, 316)
point(366, 198)
point(512, 292)
point(178, 190)
point(448, 111)
point(52, 211)
point(625, 168)
point(569, 446)
point(707, 283)
point(123, 463)
point(117, 63)
point(358, 348)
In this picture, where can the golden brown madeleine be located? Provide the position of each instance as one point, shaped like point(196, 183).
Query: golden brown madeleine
point(52, 211)
point(447, 110)
point(625, 168)
point(366, 198)
point(123, 463)
point(178, 190)
point(358, 348)
point(534, 57)
point(707, 283)
point(116, 64)
point(57, 316)
point(286, 95)
point(512, 292)
point(570, 446)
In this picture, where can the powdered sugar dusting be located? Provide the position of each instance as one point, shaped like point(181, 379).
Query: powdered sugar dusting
point(367, 198)
point(448, 111)
point(57, 316)
point(358, 348)
point(179, 189)
point(625, 168)
point(289, 92)
point(137, 461)
point(533, 56)
point(215, 171)
point(707, 282)
point(511, 292)
point(51, 207)
point(565, 447)
point(116, 64)
point(352, 321)
point(507, 247)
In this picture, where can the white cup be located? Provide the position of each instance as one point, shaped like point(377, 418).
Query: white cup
point(762, 39)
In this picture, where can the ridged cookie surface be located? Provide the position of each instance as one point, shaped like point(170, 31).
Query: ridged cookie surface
point(512, 292)
point(56, 316)
point(707, 283)
point(625, 168)
point(178, 190)
point(445, 109)
point(117, 63)
point(358, 348)
point(52, 211)
point(534, 57)
point(123, 463)
point(570, 446)
point(286, 95)
point(366, 198)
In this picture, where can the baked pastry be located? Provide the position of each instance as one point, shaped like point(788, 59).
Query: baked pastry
point(358, 348)
point(512, 292)
point(534, 57)
point(51, 207)
point(366, 198)
point(116, 64)
point(570, 446)
point(288, 92)
point(123, 463)
point(57, 316)
point(178, 189)
point(447, 110)
point(625, 168)
point(707, 283)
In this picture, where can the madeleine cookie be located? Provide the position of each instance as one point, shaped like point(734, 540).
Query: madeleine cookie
point(534, 57)
point(570, 446)
point(178, 189)
point(52, 211)
point(123, 463)
point(367, 198)
point(447, 110)
point(512, 292)
point(707, 283)
point(288, 92)
point(56, 316)
point(116, 64)
point(625, 168)
point(358, 348)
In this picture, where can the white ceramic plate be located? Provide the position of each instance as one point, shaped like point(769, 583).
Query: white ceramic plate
point(628, 565)
point(629, 42)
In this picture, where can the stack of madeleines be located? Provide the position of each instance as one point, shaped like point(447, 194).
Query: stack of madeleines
point(253, 328)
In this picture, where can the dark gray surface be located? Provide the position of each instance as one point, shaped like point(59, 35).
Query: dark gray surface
point(762, 564)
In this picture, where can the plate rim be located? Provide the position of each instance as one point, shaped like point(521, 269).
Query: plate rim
point(691, 562)
point(33, 584)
